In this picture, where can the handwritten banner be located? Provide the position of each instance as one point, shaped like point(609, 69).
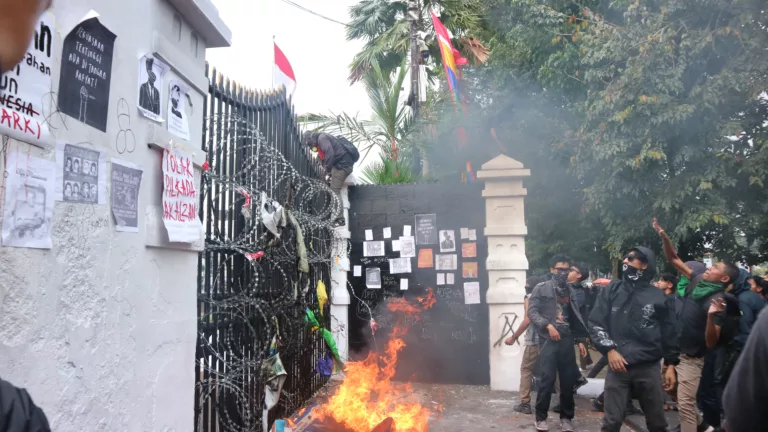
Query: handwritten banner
point(23, 88)
point(180, 199)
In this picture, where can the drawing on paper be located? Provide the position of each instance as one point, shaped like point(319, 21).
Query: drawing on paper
point(447, 241)
point(469, 270)
point(407, 247)
point(399, 265)
point(373, 277)
point(469, 250)
point(373, 248)
point(446, 262)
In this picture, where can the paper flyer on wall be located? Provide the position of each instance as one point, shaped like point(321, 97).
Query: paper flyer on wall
point(399, 265)
point(178, 123)
point(81, 174)
point(28, 211)
point(126, 183)
point(150, 87)
point(471, 293)
point(180, 198)
point(24, 88)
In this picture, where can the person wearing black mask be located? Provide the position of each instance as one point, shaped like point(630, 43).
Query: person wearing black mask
point(633, 325)
point(555, 316)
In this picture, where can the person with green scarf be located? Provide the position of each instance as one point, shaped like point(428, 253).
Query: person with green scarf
point(703, 291)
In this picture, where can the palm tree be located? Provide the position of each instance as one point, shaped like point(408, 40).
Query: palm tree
point(384, 26)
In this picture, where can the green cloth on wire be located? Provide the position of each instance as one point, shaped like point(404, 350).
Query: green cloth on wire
point(704, 288)
point(326, 334)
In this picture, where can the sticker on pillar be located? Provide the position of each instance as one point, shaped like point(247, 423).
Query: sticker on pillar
point(464, 233)
point(446, 262)
point(399, 265)
point(407, 247)
point(426, 259)
point(449, 279)
point(373, 277)
point(447, 241)
point(471, 293)
point(469, 250)
point(86, 73)
point(24, 87)
point(426, 229)
point(126, 182)
point(80, 175)
point(178, 124)
point(358, 271)
point(368, 235)
point(440, 279)
point(396, 246)
point(472, 235)
point(373, 248)
point(28, 211)
point(151, 83)
point(404, 284)
point(469, 270)
point(387, 232)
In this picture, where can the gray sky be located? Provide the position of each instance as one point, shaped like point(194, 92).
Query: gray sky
point(317, 49)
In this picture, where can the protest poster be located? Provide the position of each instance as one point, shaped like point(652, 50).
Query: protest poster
point(28, 211)
point(126, 182)
point(180, 199)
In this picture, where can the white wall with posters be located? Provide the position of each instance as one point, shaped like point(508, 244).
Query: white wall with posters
point(98, 321)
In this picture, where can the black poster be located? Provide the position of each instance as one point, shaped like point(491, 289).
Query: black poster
point(426, 229)
point(86, 71)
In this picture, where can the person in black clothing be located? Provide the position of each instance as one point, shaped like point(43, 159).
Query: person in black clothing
point(17, 411)
point(576, 277)
point(747, 389)
point(667, 282)
point(633, 325)
point(559, 325)
point(337, 163)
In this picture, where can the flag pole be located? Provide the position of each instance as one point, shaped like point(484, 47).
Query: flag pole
point(274, 60)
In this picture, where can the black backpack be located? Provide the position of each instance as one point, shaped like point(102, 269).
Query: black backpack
point(349, 147)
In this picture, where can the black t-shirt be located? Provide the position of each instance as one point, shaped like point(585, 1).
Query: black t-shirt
point(693, 322)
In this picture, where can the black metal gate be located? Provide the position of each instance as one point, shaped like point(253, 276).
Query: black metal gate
point(249, 286)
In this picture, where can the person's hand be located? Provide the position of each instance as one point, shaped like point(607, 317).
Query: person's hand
point(510, 340)
point(670, 379)
point(657, 227)
point(553, 333)
point(616, 361)
point(582, 349)
point(328, 178)
point(716, 306)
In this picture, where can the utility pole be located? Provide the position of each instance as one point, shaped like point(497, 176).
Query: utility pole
point(414, 16)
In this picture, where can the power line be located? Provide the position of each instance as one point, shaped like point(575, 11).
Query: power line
point(296, 5)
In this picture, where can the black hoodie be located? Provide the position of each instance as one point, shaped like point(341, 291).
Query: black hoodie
point(636, 319)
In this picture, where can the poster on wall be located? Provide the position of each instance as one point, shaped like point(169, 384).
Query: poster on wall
point(180, 200)
point(426, 229)
point(150, 87)
point(469, 250)
point(373, 277)
point(126, 182)
point(446, 262)
point(469, 270)
point(177, 116)
point(447, 241)
point(80, 174)
point(22, 89)
point(86, 73)
point(471, 293)
point(28, 212)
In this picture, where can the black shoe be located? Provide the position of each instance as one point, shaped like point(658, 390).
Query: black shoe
point(556, 408)
point(579, 384)
point(524, 408)
point(705, 427)
point(597, 405)
point(632, 410)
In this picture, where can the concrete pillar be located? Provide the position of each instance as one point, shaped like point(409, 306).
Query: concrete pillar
point(506, 264)
point(339, 269)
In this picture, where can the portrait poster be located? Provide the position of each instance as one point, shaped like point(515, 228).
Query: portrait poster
point(150, 87)
point(447, 241)
point(446, 262)
point(471, 293)
point(469, 250)
point(178, 123)
point(426, 259)
point(426, 229)
point(81, 175)
point(180, 198)
point(373, 277)
point(23, 87)
point(407, 247)
point(86, 73)
point(373, 248)
point(126, 183)
point(28, 211)
point(469, 270)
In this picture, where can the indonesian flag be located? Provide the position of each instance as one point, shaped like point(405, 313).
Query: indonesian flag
point(283, 72)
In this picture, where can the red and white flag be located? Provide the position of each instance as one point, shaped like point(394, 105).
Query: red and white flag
point(283, 72)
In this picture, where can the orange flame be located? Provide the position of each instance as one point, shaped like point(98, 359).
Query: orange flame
point(367, 396)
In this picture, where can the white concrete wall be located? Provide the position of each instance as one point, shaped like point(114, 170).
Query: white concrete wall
point(101, 329)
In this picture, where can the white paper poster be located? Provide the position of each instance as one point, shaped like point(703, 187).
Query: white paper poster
point(399, 265)
point(395, 245)
point(449, 279)
point(403, 284)
point(81, 174)
point(151, 79)
point(473, 234)
point(373, 248)
point(447, 241)
point(29, 191)
point(368, 235)
point(471, 292)
point(358, 271)
point(464, 233)
point(23, 89)
point(407, 247)
point(441, 279)
point(180, 199)
point(406, 230)
point(178, 123)
point(373, 277)
point(446, 262)
point(126, 183)
point(387, 232)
